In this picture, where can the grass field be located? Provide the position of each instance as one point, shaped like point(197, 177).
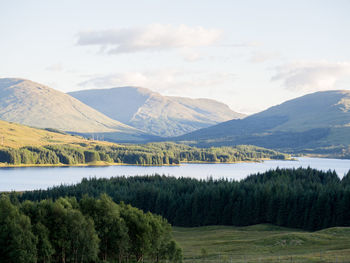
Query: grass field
point(16, 135)
point(263, 243)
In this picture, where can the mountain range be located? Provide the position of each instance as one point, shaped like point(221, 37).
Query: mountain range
point(156, 114)
point(317, 123)
point(317, 120)
point(126, 114)
point(30, 103)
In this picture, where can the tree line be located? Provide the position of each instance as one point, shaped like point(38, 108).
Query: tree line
point(88, 230)
point(299, 198)
point(142, 154)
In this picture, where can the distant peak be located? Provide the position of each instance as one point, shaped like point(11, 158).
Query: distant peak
point(8, 82)
point(139, 89)
point(343, 91)
point(11, 81)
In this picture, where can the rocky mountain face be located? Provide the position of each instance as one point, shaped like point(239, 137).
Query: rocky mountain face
point(156, 114)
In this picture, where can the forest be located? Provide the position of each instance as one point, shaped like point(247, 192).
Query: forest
point(88, 230)
point(298, 198)
point(141, 154)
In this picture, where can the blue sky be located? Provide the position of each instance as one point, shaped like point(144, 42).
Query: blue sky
point(248, 54)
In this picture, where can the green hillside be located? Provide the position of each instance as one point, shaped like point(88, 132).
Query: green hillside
point(26, 102)
point(315, 123)
point(263, 243)
point(14, 135)
point(156, 114)
point(23, 145)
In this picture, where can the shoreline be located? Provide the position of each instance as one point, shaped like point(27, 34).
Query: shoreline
point(103, 164)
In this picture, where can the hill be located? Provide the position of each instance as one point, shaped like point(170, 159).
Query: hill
point(26, 102)
point(156, 114)
point(14, 135)
point(317, 122)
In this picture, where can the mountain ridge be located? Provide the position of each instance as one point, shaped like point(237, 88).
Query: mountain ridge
point(30, 103)
point(153, 113)
point(320, 119)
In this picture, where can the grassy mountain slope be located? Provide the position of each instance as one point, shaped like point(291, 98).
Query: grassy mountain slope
point(263, 243)
point(13, 135)
point(33, 104)
point(156, 114)
point(317, 120)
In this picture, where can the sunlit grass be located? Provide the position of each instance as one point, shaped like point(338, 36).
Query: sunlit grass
point(15, 136)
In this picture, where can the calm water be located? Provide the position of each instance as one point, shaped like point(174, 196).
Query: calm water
point(42, 177)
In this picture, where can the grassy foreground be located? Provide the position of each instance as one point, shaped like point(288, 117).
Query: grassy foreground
point(263, 243)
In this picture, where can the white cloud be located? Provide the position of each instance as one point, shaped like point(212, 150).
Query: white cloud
point(190, 55)
point(312, 76)
point(259, 56)
point(154, 37)
point(168, 81)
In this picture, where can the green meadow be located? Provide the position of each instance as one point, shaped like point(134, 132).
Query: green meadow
point(263, 243)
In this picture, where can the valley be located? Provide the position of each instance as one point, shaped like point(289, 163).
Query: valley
point(174, 131)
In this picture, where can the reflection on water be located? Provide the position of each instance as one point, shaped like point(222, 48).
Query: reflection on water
point(30, 178)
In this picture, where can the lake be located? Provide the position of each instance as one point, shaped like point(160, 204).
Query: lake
point(30, 178)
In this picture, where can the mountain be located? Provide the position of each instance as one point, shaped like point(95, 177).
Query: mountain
point(156, 114)
point(26, 102)
point(318, 120)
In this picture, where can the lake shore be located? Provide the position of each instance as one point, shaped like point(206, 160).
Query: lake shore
point(31, 178)
point(101, 163)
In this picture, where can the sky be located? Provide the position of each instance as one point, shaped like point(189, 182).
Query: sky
point(248, 54)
